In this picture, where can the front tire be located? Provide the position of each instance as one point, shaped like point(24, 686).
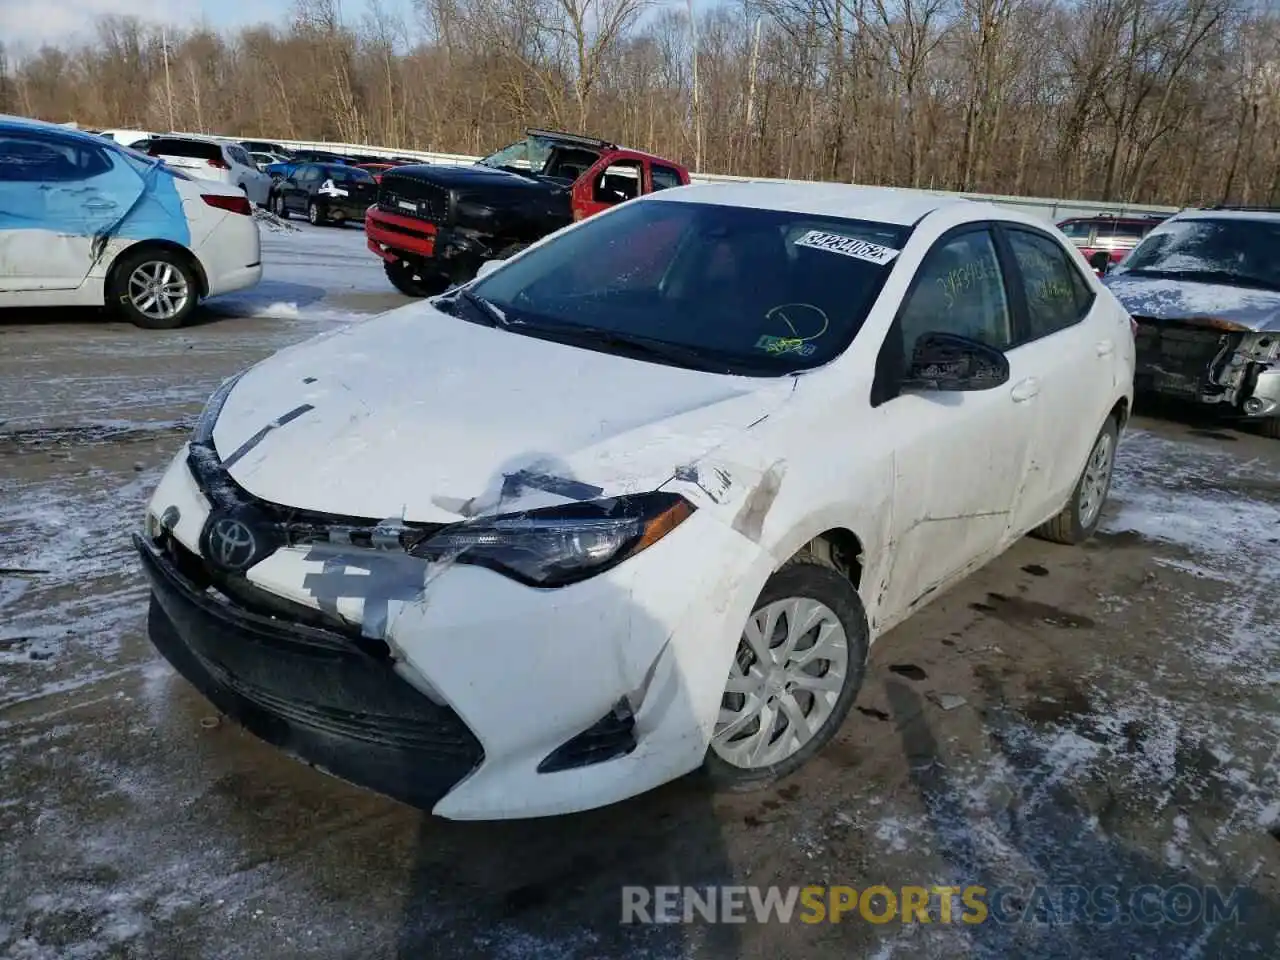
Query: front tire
point(798, 668)
point(411, 282)
point(1078, 520)
point(153, 289)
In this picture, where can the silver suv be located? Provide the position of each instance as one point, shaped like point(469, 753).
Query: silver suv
point(1204, 289)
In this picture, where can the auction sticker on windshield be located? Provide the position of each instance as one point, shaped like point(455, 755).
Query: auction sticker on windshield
point(847, 246)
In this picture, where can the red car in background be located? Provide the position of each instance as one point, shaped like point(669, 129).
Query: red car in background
point(378, 169)
point(1107, 239)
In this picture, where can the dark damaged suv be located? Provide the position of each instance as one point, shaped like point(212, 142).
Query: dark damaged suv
point(434, 225)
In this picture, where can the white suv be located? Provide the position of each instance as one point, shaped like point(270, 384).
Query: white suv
point(211, 159)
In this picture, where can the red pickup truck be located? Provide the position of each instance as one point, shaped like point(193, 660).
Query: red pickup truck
point(433, 225)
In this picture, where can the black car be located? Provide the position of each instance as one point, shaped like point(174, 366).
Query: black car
point(324, 192)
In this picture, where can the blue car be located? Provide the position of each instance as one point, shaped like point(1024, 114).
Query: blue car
point(88, 222)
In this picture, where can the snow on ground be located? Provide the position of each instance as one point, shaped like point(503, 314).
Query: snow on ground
point(320, 273)
point(1161, 770)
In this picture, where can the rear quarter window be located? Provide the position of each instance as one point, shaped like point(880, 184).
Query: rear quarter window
point(186, 148)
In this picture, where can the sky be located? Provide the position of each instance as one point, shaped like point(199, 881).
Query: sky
point(26, 24)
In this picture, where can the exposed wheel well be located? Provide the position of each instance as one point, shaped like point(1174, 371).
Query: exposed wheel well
point(1121, 412)
point(176, 248)
point(837, 548)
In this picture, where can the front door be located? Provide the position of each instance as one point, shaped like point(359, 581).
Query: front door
point(57, 195)
point(959, 456)
point(608, 183)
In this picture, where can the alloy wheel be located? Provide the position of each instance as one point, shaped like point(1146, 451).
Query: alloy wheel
point(158, 290)
point(1097, 479)
point(789, 670)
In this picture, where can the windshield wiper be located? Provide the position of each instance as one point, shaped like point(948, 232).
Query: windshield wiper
point(694, 358)
point(484, 311)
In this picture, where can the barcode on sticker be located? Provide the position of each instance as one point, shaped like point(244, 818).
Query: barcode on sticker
point(848, 246)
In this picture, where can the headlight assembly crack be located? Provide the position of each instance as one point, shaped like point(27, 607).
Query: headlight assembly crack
point(558, 546)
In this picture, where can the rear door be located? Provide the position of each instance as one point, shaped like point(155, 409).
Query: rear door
point(57, 194)
point(1067, 344)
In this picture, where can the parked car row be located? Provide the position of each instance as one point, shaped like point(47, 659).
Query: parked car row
point(434, 225)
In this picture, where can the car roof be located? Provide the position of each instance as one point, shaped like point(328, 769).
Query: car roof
point(1108, 218)
point(877, 204)
point(43, 126)
point(1265, 215)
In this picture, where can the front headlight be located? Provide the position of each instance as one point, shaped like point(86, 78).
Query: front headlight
point(202, 435)
point(560, 545)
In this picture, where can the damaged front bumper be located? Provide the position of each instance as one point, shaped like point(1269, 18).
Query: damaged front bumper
point(448, 685)
point(314, 693)
point(1210, 363)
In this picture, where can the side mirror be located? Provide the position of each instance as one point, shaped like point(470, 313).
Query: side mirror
point(487, 267)
point(945, 361)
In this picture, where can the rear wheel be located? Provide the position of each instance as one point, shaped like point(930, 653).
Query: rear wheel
point(798, 668)
point(278, 207)
point(155, 289)
point(1080, 517)
point(413, 282)
point(314, 216)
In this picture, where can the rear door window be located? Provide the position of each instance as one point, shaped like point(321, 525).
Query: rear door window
point(195, 149)
point(664, 178)
point(1057, 296)
point(31, 158)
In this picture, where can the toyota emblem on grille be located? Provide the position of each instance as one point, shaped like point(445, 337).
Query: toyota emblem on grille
point(232, 544)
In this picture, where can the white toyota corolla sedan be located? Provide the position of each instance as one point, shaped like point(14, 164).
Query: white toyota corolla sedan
point(637, 500)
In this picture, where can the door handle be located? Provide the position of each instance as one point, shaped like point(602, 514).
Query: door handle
point(1025, 389)
point(99, 204)
point(1104, 348)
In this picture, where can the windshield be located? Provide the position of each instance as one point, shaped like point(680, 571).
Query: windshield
point(1226, 250)
point(733, 289)
point(529, 155)
point(348, 175)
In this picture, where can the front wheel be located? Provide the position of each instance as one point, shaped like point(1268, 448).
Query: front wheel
point(799, 665)
point(1079, 519)
point(412, 282)
point(154, 289)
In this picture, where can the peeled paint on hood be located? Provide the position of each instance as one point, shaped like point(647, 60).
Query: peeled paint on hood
point(1166, 299)
point(424, 417)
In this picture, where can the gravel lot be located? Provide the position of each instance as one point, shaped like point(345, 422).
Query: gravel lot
point(1118, 723)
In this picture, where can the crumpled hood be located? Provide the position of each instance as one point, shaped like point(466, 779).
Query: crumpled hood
point(423, 416)
point(1163, 299)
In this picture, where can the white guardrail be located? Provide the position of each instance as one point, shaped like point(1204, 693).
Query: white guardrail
point(1049, 208)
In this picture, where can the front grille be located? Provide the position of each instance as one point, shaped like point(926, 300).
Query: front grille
point(294, 526)
point(445, 736)
point(1182, 358)
point(413, 197)
point(310, 691)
